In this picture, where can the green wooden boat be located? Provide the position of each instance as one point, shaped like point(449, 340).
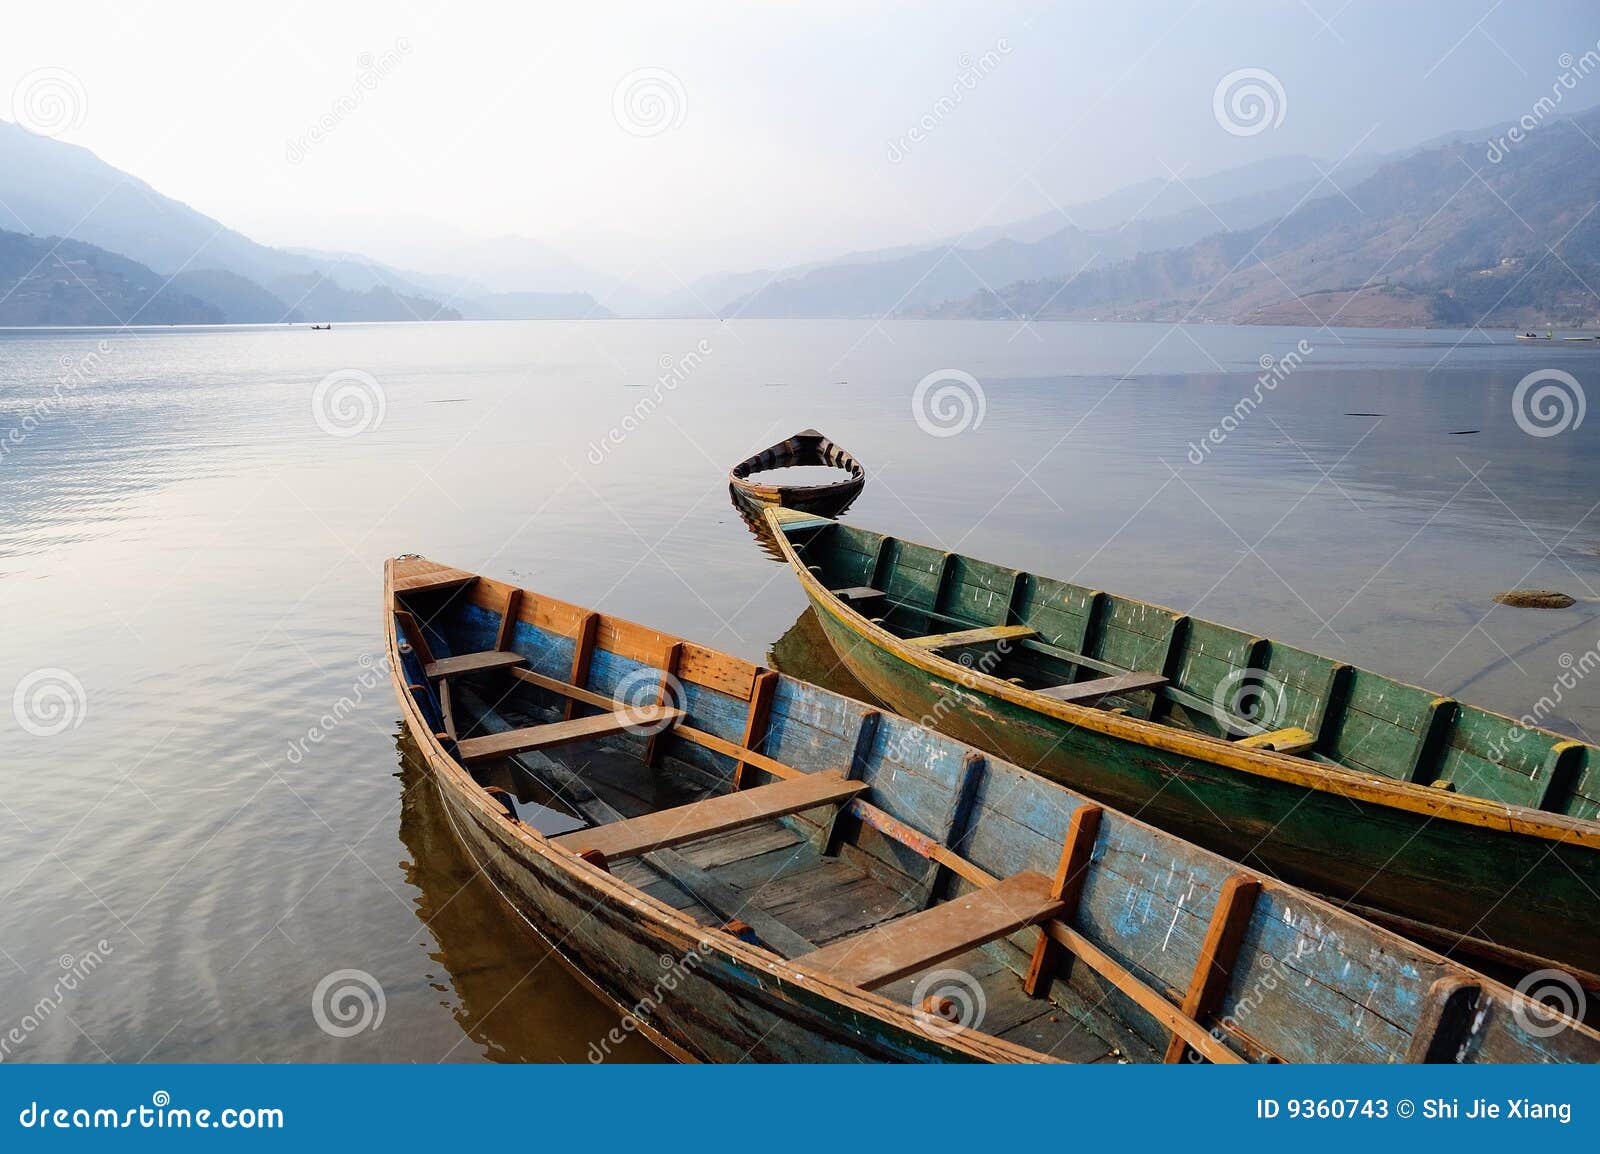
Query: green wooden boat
point(1461, 827)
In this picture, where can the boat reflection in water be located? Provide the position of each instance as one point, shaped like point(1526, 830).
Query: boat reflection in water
point(513, 996)
point(804, 652)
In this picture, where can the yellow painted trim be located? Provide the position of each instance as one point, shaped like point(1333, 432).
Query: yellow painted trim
point(1462, 808)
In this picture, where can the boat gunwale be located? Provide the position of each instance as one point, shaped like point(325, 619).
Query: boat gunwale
point(974, 1043)
point(1336, 779)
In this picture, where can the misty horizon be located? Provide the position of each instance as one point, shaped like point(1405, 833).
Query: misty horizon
point(657, 150)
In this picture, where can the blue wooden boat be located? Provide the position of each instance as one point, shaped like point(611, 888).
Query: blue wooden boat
point(751, 868)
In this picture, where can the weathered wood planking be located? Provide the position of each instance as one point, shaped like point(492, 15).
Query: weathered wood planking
point(1152, 931)
point(1420, 804)
point(715, 815)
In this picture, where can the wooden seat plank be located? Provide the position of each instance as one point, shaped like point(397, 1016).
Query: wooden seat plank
point(1291, 740)
point(983, 636)
point(909, 944)
point(533, 737)
point(714, 815)
point(858, 593)
point(473, 663)
point(1088, 692)
point(419, 575)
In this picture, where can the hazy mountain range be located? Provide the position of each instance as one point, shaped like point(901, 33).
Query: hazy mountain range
point(1435, 235)
point(1440, 237)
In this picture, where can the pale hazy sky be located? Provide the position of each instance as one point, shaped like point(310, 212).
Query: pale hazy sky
point(776, 143)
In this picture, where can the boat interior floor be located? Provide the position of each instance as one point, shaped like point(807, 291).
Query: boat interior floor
point(771, 875)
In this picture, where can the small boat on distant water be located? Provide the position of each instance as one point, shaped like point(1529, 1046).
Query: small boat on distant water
point(1474, 831)
point(320, 328)
point(806, 449)
point(750, 868)
point(1536, 336)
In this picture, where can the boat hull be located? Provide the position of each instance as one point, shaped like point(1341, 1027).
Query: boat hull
point(1528, 893)
point(698, 1003)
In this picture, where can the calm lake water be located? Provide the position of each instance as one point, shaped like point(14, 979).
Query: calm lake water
point(192, 545)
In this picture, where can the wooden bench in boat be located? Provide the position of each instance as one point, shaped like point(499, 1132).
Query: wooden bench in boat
point(715, 815)
point(983, 636)
point(858, 593)
point(1091, 691)
point(885, 953)
point(1291, 740)
point(1031, 897)
point(654, 717)
point(472, 663)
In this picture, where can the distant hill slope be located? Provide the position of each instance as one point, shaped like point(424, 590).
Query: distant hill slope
point(1144, 217)
point(241, 301)
point(51, 188)
point(1440, 237)
point(48, 281)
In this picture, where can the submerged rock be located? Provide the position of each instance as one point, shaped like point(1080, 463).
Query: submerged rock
point(1535, 599)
